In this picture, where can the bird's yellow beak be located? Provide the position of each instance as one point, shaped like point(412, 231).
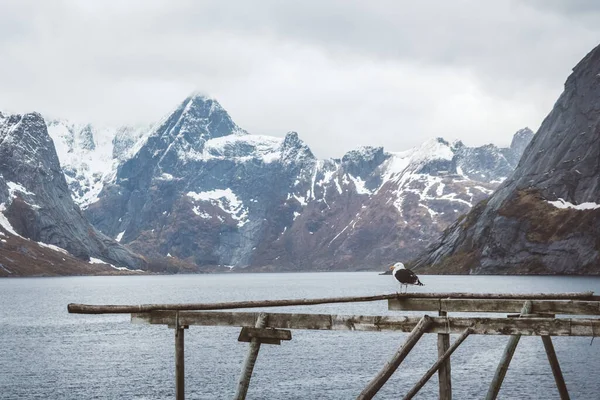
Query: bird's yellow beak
point(392, 267)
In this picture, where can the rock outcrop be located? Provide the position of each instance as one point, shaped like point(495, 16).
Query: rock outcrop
point(36, 203)
point(544, 219)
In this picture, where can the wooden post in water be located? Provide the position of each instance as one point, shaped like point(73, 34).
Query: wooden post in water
point(558, 377)
point(179, 361)
point(248, 367)
point(438, 364)
point(444, 373)
point(387, 371)
point(509, 351)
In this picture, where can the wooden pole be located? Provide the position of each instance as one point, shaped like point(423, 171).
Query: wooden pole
point(248, 367)
point(558, 377)
point(390, 367)
point(509, 351)
point(444, 372)
point(438, 365)
point(179, 362)
point(128, 309)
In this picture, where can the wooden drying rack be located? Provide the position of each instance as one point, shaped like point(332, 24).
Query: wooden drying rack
point(535, 316)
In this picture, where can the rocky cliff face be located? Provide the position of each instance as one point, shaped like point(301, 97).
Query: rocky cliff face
point(546, 217)
point(35, 201)
point(198, 188)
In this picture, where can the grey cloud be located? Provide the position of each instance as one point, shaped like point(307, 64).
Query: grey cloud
point(341, 73)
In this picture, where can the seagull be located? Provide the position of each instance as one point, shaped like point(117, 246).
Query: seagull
point(404, 276)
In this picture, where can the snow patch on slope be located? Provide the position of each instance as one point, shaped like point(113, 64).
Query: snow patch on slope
point(226, 200)
point(4, 221)
point(53, 247)
point(562, 204)
point(359, 184)
point(89, 155)
point(16, 187)
point(243, 148)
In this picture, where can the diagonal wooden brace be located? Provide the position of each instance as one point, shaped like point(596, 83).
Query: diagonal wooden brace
point(382, 377)
point(509, 351)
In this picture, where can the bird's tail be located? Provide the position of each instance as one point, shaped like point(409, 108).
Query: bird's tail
point(419, 283)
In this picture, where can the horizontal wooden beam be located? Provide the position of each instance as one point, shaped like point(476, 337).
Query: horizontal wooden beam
point(571, 307)
point(480, 326)
point(128, 309)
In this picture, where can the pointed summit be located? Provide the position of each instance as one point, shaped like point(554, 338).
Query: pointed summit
point(520, 141)
point(294, 150)
point(200, 117)
point(181, 135)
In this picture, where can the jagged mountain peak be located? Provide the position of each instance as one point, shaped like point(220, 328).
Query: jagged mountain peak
point(27, 137)
point(457, 144)
point(363, 153)
point(433, 155)
point(433, 149)
point(521, 139)
point(294, 150)
point(363, 160)
point(201, 116)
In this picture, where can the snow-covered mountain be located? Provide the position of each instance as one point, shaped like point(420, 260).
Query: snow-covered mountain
point(89, 155)
point(197, 187)
point(36, 209)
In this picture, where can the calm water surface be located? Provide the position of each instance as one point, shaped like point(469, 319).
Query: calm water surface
point(46, 353)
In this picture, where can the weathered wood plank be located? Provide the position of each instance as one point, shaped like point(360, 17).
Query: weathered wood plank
point(265, 336)
point(507, 356)
point(444, 372)
point(388, 370)
point(571, 307)
point(453, 325)
point(128, 309)
point(248, 367)
point(443, 358)
point(555, 366)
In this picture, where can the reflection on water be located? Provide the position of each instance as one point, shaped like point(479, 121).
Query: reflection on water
point(47, 353)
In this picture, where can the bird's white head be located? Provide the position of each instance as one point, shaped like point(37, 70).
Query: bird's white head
point(397, 266)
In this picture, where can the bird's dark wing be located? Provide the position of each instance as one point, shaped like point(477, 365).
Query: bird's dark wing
point(406, 276)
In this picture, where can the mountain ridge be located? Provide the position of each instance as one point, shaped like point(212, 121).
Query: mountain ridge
point(196, 191)
point(208, 179)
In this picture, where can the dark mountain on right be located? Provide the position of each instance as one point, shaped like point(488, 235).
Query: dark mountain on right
point(545, 218)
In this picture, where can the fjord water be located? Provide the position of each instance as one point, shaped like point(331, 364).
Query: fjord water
point(46, 353)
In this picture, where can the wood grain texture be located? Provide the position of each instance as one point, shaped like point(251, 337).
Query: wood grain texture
point(452, 325)
point(444, 372)
point(568, 307)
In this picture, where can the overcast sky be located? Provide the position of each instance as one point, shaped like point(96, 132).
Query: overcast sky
point(341, 73)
